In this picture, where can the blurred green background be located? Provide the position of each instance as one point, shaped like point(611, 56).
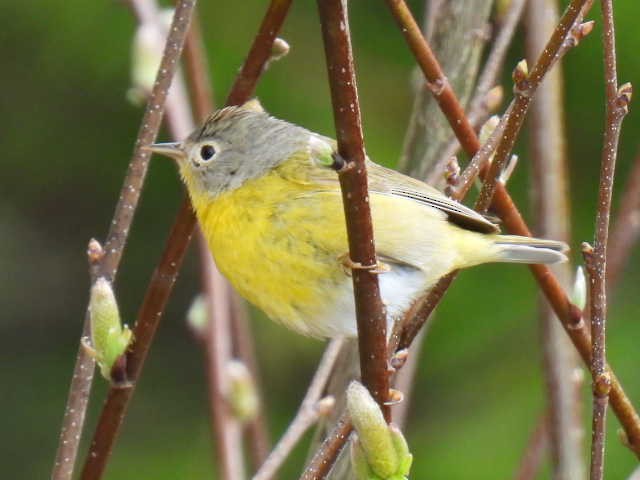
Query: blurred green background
point(66, 136)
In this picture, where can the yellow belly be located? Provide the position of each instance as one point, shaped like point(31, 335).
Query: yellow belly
point(278, 248)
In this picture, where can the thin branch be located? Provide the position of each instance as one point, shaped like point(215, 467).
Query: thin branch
point(525, 85)
point(230, 305)
point(503, 205)
point(626, 227)
point(196, 66)
point(307, 414)
point(567, 34)
point(149, 316)
point(550, 184)
point(436, 79)
point(370, 311)
point(324, 458)
point(227, 429)
point(80, 388)
point(618, 99)
point(534, 453)
point(257, 429)
point(493, 66)
point(567, 313)
point(166, 272)
point(460, 33)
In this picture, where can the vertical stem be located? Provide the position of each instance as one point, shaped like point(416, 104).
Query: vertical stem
point(80, 388)
point(370, 312)
point(164, 277)
point(257, 429)
point(596, 258)
point(551, 202)
point(228, 433)
point(534, 453)
point(626, 228)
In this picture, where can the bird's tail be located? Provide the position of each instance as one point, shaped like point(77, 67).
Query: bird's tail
point(514, 249)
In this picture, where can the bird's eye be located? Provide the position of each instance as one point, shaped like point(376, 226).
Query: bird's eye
point(207, 151)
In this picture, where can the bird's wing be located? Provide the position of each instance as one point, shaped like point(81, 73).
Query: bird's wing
point(387, 182)
point(390, 182)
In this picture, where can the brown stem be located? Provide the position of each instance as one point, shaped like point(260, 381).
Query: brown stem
point(495, 60)
point(370, 311)
point(596, 258)
point(551, 204)
point(325, 456)
point(307, 414)
point(567, 313)
point(436, 80)
point(459, 36)
point(149, 315)
point(161, 283)
point(534, 453)
point(80, 388)
point(503, 205)
point(218, 347)
point(233, 318)
point(626, 227)
point(257, 429)
point(478, 107)
point(195, 61)
point(525, 86)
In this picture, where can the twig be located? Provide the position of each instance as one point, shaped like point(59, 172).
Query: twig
point(567, 313)
point(224, 427)
point(495, 60)
point(307, 414)
point(161, 283)
point(567, 34)
point(503, 205)
point(436, 80)
point(228, 433)
point(195, 61)
point(370, 311)
point(618, 99)
point(551, 204)
point(460, 33)
point(256, 429)
point(626, 227)
point(525, 85)
point(80, 388)
point(148, 318)
point(202, 101)
point(325, 456)
point(534, 453)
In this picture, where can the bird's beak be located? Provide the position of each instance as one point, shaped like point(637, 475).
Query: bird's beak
point(173, 150)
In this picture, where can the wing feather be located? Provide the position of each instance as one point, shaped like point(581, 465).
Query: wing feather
point(390, 182)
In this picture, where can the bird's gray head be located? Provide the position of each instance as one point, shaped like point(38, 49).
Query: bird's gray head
point(234, 144)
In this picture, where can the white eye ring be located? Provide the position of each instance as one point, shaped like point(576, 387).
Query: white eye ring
point(206, 152)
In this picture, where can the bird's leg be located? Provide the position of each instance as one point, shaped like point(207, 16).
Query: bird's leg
point(348, 265)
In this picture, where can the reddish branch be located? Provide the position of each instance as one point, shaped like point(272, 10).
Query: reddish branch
point(568, 32)
point(257, 431)
point(370, 311)
point(495, 60)
point(161, 283)
point(626, 228)
point(324, 458)
point(116, 238)
point(550, 186)
point(596, 258)
point(534, 453)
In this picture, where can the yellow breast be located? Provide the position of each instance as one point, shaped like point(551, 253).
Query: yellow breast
point(277, 246)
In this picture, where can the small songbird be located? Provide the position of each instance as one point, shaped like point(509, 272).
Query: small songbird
point(267, 196)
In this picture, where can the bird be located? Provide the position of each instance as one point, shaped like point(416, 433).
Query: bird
point(267, 197)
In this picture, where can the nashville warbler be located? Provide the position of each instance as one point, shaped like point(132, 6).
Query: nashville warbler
point(269, 204)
